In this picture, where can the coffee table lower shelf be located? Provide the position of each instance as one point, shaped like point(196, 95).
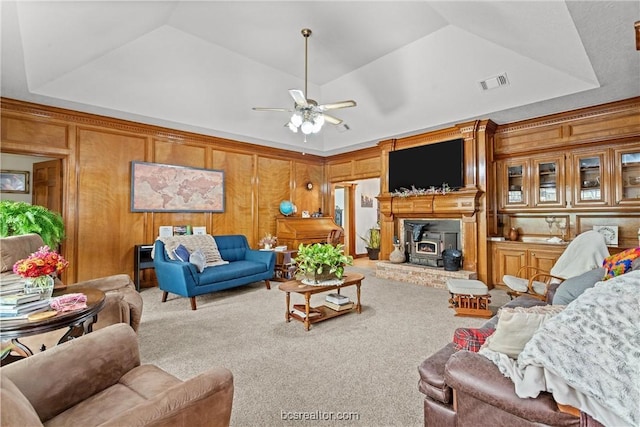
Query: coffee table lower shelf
point(325, 313)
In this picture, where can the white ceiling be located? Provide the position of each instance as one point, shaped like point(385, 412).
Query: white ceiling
point(411, 65)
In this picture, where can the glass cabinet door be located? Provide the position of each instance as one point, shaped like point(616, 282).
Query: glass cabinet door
point(515, 179)
point(627, 176)
point(549, 181)
point(590, 186)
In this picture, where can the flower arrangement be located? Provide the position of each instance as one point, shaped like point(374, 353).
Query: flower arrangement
point(44, 262)
point(405, 192)
point(268, 240)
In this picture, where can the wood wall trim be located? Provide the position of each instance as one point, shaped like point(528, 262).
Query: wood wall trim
point(158, 132)
point(588, 126)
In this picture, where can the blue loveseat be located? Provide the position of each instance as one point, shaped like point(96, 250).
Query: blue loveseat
point(245, 265)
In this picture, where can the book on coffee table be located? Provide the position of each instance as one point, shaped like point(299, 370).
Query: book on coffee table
point(300, 310)
point(336, 298)
point(339, 307)
point(13, 300)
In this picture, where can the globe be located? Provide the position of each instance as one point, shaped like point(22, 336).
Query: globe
point(286, 207)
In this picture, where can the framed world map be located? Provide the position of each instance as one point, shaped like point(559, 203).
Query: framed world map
point(157, 187)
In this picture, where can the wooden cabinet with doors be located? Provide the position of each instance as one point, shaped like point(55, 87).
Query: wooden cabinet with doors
point(532, 183)
point(626, 175)
point(509, 257)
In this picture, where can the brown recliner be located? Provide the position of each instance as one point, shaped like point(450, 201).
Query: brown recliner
point(123, 304)
point(97, 379)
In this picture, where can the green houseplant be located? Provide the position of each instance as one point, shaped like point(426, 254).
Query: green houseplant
point(18, 218)
point(318, 262)
point(372, 242)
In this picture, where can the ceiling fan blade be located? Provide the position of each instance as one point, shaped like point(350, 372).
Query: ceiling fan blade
point(285, 110)
point(331, 119)
point(298, 97)
point(336, 105)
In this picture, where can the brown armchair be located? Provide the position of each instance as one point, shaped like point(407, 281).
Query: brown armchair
point(123, 304)
point(97, 379)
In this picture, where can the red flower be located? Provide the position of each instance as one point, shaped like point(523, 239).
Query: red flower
point(40, 263)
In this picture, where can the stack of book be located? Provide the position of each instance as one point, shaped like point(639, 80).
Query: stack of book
point(11, 284)
point(338, 302)
point(20, 305)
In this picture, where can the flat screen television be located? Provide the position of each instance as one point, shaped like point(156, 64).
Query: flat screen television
point(427, 166)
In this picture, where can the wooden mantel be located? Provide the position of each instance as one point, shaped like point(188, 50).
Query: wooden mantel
point(465, 202)
point(463, 205)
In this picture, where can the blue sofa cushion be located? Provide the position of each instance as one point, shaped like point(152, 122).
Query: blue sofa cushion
point(234, 270)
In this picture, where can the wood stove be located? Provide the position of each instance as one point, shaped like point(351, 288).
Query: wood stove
point(424, 246)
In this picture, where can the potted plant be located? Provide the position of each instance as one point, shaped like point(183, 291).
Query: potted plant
point(372, 242)
point(18, 218)
point(320, 262)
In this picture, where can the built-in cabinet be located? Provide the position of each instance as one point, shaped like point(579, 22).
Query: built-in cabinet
point(532, 182)
point(509, 257)
point(595, 177)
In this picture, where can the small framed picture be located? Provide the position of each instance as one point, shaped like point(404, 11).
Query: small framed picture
point(165, 231)
point(610, 233)
point(366, 201)
point(200, 230)
point(14, 182)
point(180, 230)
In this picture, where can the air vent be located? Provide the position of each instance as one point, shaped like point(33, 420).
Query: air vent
point(494, 82)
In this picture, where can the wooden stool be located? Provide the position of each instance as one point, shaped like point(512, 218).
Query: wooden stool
point(469, 297)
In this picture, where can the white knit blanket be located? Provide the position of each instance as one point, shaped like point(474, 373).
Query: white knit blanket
point(588, 356)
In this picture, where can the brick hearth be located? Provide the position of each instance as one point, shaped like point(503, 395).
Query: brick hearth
point(420, 275)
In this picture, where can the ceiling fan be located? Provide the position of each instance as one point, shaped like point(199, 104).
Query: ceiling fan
point(307, 115)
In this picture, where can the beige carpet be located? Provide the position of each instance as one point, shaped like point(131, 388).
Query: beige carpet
point(358, 366)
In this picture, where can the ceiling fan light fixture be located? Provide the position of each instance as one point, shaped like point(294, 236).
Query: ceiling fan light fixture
point(296, 120)
point(306, 127)
point(308, 116)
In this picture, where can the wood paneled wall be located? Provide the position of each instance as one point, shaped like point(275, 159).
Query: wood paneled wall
point(96, 154)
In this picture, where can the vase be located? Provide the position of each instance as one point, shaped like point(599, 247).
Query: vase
point(42, 285)
point(513, 234)
point(267, 246)
point(396, 256)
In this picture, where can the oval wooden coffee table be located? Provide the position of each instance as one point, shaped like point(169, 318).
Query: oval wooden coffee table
point(320, 313)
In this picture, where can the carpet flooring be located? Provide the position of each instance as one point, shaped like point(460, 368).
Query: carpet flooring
point(354, 370)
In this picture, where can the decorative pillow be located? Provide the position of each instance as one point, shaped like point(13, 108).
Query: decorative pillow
point(470, 339)
point(181, 253)
point(198, 259)
point(620, 263)
point(573, 287)
point(205, 242)
point(516, 326)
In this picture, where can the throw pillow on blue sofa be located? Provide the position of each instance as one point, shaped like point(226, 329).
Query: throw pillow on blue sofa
point(181, 253)
point(198, 259)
